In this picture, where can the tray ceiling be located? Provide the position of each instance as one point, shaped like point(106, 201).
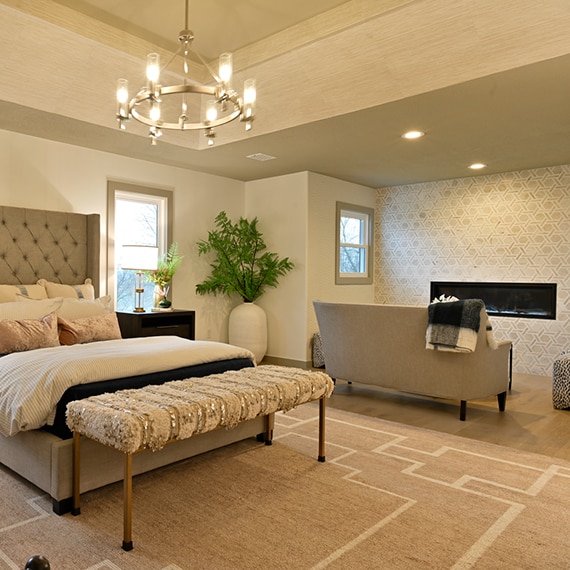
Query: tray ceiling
point(338, 81)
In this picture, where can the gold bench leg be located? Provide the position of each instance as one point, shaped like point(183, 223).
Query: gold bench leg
point(269, 425)
point(76, 509)
point(322, 408)
point(128, 503)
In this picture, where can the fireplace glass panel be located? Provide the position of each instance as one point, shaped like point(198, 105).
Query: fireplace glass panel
point(526, 300)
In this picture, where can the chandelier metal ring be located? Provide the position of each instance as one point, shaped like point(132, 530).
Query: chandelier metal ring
point(146, 96)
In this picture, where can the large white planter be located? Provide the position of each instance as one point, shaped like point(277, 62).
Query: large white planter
point(248, 329)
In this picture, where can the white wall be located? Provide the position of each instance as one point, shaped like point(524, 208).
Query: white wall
point(41, 174)
point(296, 214)
point(302, 210)
point(324, 193)
point(280, 204)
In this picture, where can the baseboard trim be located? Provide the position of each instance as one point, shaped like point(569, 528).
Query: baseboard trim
point(305, 365)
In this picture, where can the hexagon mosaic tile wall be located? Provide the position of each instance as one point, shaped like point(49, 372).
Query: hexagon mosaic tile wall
point(511, 227)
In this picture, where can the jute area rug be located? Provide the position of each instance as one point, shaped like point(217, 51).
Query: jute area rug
point(389, 496)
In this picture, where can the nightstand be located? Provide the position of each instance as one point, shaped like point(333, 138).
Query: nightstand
point(176, 322)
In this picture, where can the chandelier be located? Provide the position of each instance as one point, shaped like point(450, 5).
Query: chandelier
point(167, 107)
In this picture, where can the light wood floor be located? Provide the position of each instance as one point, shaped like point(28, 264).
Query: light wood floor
point(529, 423)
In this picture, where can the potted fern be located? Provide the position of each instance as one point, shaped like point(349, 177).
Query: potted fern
point(242, 266)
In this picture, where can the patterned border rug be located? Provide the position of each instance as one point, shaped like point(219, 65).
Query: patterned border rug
point(389, 496)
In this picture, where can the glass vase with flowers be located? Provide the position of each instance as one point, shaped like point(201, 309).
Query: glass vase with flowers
point(162, 276)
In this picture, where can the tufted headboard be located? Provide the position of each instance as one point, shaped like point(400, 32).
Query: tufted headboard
point(58, 246)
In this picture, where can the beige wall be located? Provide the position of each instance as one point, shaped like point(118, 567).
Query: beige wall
point(296, 213)
point(508, 227)
point(301, 209)
point(324, 193)
point(280, 204)
point(41, 174)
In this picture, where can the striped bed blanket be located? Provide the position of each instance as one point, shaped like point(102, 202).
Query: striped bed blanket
point(453, 326)
point(32, 383)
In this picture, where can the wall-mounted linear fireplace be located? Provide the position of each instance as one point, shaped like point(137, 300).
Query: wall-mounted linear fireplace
point(526, 300)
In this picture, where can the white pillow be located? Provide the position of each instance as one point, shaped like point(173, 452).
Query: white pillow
point(84, 291)
point(31, 309)
point(8, 292)
point(72, 309)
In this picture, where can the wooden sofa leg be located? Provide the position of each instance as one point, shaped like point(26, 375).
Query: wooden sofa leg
point(463, 410)
point(502, 400)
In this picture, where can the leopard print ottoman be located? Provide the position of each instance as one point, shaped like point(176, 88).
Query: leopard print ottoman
point(561, 382)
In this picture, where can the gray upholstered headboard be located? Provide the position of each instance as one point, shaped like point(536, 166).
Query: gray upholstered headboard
point(58, 246)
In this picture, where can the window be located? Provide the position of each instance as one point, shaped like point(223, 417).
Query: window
point(354, 238)
point(136, 216)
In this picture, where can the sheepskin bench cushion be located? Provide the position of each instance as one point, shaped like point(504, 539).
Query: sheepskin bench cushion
point(150, 417)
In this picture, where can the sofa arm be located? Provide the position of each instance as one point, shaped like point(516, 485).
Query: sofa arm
point(510, 343)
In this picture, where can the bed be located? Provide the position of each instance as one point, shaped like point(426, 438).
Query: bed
point(49, 261)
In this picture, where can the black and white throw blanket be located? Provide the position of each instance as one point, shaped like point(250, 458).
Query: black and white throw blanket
point(453, 326)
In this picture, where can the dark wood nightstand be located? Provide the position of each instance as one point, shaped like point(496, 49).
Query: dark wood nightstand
point(177, 322)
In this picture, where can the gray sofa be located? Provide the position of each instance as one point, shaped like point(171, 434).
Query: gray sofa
point(385, 345)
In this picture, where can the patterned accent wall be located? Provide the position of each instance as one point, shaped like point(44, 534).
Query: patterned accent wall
point(508, 227)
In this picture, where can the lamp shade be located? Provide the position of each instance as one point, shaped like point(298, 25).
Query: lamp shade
point(139, 257)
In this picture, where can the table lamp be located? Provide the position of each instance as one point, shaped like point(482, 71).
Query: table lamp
point(139, 258)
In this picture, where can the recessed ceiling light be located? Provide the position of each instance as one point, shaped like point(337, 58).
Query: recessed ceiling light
point(260, 156)
point(477, 166)
point(413, 135)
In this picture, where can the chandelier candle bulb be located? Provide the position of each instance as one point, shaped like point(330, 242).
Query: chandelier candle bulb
point(122, 102)
point(155, 111)
point(122, 92)
point(249, 92)
point(152, 69)
point(249, 96)
point(211, 111)
point(226, 68)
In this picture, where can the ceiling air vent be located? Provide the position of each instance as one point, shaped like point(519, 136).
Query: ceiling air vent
point(260, 156)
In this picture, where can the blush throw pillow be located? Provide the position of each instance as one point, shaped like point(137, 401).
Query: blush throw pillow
point(28, 334)
point(89, 329)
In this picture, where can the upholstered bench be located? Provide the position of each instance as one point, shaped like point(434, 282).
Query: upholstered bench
point(149, 418)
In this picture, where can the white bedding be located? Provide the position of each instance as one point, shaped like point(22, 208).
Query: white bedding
point(32, 383)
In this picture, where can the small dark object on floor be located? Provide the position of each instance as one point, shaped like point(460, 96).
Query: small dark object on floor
point(37, 562)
